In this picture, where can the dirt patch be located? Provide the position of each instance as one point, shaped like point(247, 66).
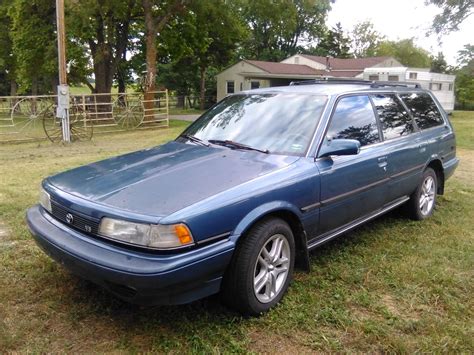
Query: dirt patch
point(397, 310)
point(5, 239)
point(465, 170)
point(390, 304)
point(265, 343)
point(4, 232)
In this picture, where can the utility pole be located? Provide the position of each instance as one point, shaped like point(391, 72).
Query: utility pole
point(63, 88)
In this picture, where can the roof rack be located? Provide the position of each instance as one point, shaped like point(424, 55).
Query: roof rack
point(371, 83)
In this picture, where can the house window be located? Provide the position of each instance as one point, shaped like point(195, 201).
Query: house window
point(373, 77)
point(393, 78)
point(450, 87)
point(254, 85)
point(414, 76)
point(241, 86)
point(230, 87)
point(435, 86)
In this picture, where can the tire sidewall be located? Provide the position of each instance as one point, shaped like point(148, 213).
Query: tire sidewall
point(278, 227)
point(427, 172)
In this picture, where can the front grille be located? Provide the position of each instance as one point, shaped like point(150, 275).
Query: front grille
point(74, 219)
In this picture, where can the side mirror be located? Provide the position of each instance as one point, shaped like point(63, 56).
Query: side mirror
point(340, 147)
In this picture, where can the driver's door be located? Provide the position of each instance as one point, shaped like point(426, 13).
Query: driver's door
point(352, 186)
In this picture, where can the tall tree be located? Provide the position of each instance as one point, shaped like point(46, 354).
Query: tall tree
point(466, 55)
point(335, 43)
point(214, 38)
point(406, 52)
point(103, 26)
point(278, 29)
point(465, 76)
point(453, 13)
point(439, 64)
point(157, 15)
point(365, 39)
point(7, 59)
point(34, 44)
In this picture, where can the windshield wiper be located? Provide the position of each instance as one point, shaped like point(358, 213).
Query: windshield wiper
point(195, 139)
point(232, 144)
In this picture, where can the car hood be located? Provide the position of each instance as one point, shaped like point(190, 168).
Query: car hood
point(162, 180)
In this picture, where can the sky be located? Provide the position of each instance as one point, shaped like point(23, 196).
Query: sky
point(399, 19)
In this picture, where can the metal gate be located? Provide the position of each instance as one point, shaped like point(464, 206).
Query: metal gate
point(24, 118)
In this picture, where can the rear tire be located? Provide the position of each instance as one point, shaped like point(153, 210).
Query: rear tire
point(261, 269)
point(423, 201)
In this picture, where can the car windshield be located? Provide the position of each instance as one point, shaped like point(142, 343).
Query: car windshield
point(281, 123)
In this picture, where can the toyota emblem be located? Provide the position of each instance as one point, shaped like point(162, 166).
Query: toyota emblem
point(69, 218)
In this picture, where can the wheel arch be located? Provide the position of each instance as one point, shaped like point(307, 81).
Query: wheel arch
point(286, 212)
point(437, 166)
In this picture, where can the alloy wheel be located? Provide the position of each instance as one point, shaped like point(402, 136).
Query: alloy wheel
point(271, 268)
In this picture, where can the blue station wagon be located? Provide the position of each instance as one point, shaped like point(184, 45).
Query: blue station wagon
point(246, 191)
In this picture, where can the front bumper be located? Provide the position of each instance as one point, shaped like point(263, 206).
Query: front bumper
point(134, 276)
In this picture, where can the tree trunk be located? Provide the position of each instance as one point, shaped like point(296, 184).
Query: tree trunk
point(153, 25)
point(180, 101)
point(103, 72)
point(202, 87)
point(13, 88)
point(122, 85)
point(13, 92)
point(151, 52)
point(34, 92)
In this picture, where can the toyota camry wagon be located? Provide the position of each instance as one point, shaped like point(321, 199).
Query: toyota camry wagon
point(246, 191)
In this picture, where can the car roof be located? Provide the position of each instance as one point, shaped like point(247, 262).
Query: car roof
point(329, 88)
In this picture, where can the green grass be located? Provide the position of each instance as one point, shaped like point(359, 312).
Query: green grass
point(189, 111)
point(464, 128)
point(393, 285)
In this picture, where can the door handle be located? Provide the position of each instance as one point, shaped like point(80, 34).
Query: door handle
point(382, 161)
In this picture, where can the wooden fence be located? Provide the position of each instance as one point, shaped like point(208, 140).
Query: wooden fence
point(24, 118)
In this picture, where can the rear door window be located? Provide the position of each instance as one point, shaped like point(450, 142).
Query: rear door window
point(354, 118)
point(424, 109)
point(395, 121)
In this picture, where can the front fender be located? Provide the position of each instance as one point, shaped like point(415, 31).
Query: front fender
point(261, 211)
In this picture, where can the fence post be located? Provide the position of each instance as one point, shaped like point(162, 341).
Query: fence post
point(167, 109)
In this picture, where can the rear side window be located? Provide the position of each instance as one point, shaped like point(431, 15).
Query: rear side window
point(424, 110)
point(396, 122)
point(354, 118)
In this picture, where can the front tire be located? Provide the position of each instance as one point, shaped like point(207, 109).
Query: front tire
point(261, 269)
point(423, 201)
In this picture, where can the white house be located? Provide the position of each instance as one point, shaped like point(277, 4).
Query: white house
point(442, 85)
point(253, 74)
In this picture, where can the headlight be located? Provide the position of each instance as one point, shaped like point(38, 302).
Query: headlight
point(45, 200)
point(154, 236)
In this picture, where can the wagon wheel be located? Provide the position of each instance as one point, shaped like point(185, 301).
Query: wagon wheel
point(80, 127)
point(26, 114)
point(127, 111)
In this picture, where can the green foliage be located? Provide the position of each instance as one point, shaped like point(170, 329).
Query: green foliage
point(465, 77)
point(334, 43)
point(196, 44)
point(34, 42)
point(453, 13)
point(7, 61)
point(278, 29)
point(365, 40)
point(406, 52)
point(466, 55)
point(438, 63)
point(101, 29)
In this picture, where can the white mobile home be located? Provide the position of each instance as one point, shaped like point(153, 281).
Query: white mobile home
point(442, 85)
